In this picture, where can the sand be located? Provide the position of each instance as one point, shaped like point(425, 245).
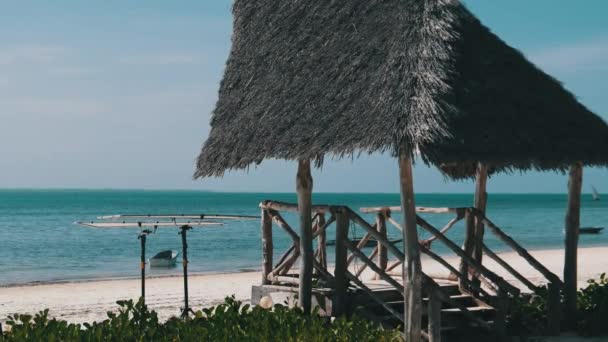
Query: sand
point(89, 301)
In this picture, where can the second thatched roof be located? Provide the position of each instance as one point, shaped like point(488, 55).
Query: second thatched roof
point(310, 78)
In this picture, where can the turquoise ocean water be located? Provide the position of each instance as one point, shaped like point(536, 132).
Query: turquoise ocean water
point(40, 243)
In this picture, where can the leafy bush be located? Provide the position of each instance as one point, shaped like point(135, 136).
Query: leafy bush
point(230, 321)
point(527, 313)
point(592, 303)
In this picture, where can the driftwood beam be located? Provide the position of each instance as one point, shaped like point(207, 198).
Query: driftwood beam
point(290, 207)
point(360, 245)
point(373, 266)
point(372, 230)
point(459, 252)
point(521, 251)
point(371, 257)
point(509, 268)
point(371, 210)
point(454, 271)
point(278, 219)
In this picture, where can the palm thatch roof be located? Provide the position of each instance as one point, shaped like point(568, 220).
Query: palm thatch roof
point(306, 79)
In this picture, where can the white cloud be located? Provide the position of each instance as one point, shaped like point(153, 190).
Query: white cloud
point(590, 55)
point(162, 59)
point(32, 54)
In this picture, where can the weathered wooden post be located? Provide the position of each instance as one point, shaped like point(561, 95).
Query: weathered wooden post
point(468, 247)
point(434, 312)
point(382, 251)
point(340, 295)
point(267, 248)
point(554, 310)
point(572, 227)
point(480, 202)
point(304, 190)
point(412, 270)
point(322, 241)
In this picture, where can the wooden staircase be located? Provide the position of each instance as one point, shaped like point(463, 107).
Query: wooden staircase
point(455, 326)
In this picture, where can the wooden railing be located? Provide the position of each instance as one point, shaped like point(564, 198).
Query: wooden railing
point(473, 277)
point(472, 272)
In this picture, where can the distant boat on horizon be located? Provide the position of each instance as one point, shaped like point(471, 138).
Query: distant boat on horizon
point(595, 195)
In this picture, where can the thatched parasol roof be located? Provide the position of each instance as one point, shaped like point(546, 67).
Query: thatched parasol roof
point(310, 78)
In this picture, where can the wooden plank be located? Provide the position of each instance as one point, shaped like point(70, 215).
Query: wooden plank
point(382, 252)
point(360, 245)
point(371, 257)
point(321, 240)
point(453, 270)
point(396, 209)
point(148, 224)
point(340, 270)
point(373, 266)
point(412, 273)
point(174, 217)
point(304, 184)
point(510, 269)
point(480, 202)
point(372, 230)
point(283, 206)
point(459, 252)
point(372, 295)
point(468, 246)
point(267, 248)
point(571, 240)
point(280, 221)
point(434, 318)
point(521, 251)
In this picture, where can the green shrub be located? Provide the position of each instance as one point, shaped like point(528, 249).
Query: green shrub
point(592, 304)
point(527, 315)
point(230, 321)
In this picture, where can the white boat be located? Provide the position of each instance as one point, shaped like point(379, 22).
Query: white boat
point(164, 259)
point(595, 194)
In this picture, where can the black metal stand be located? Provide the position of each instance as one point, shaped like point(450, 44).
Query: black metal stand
point(142, 238)
point(186, 309)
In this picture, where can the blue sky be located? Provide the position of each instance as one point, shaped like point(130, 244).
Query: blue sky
point(115, 94)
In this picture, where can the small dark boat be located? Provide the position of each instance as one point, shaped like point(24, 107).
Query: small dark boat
point(164, 259)
point(369, 243)
point(590, 230)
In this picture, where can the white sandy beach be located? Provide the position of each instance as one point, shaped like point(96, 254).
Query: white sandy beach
point(90, 300)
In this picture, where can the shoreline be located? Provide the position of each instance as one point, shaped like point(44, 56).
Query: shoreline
point(89, 301)
point(76, 280)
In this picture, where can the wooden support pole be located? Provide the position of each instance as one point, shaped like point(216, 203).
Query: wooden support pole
point(304, 189)
point(468, 246)
point(434, 311)
point(340, 296)
point(322, 240)
point(480, 203)
point(554, 310)
point(572, 229)
point(412, 269)
point(267, 248)
point(382, 251)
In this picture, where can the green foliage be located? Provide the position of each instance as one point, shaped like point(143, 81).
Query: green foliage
point(592, 304)
point(527, 315)
point(230, 321)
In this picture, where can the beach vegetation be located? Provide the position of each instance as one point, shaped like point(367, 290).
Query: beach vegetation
point(229, 321)
point(527, 312)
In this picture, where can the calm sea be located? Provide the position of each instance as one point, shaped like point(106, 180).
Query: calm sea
point(40, 243)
